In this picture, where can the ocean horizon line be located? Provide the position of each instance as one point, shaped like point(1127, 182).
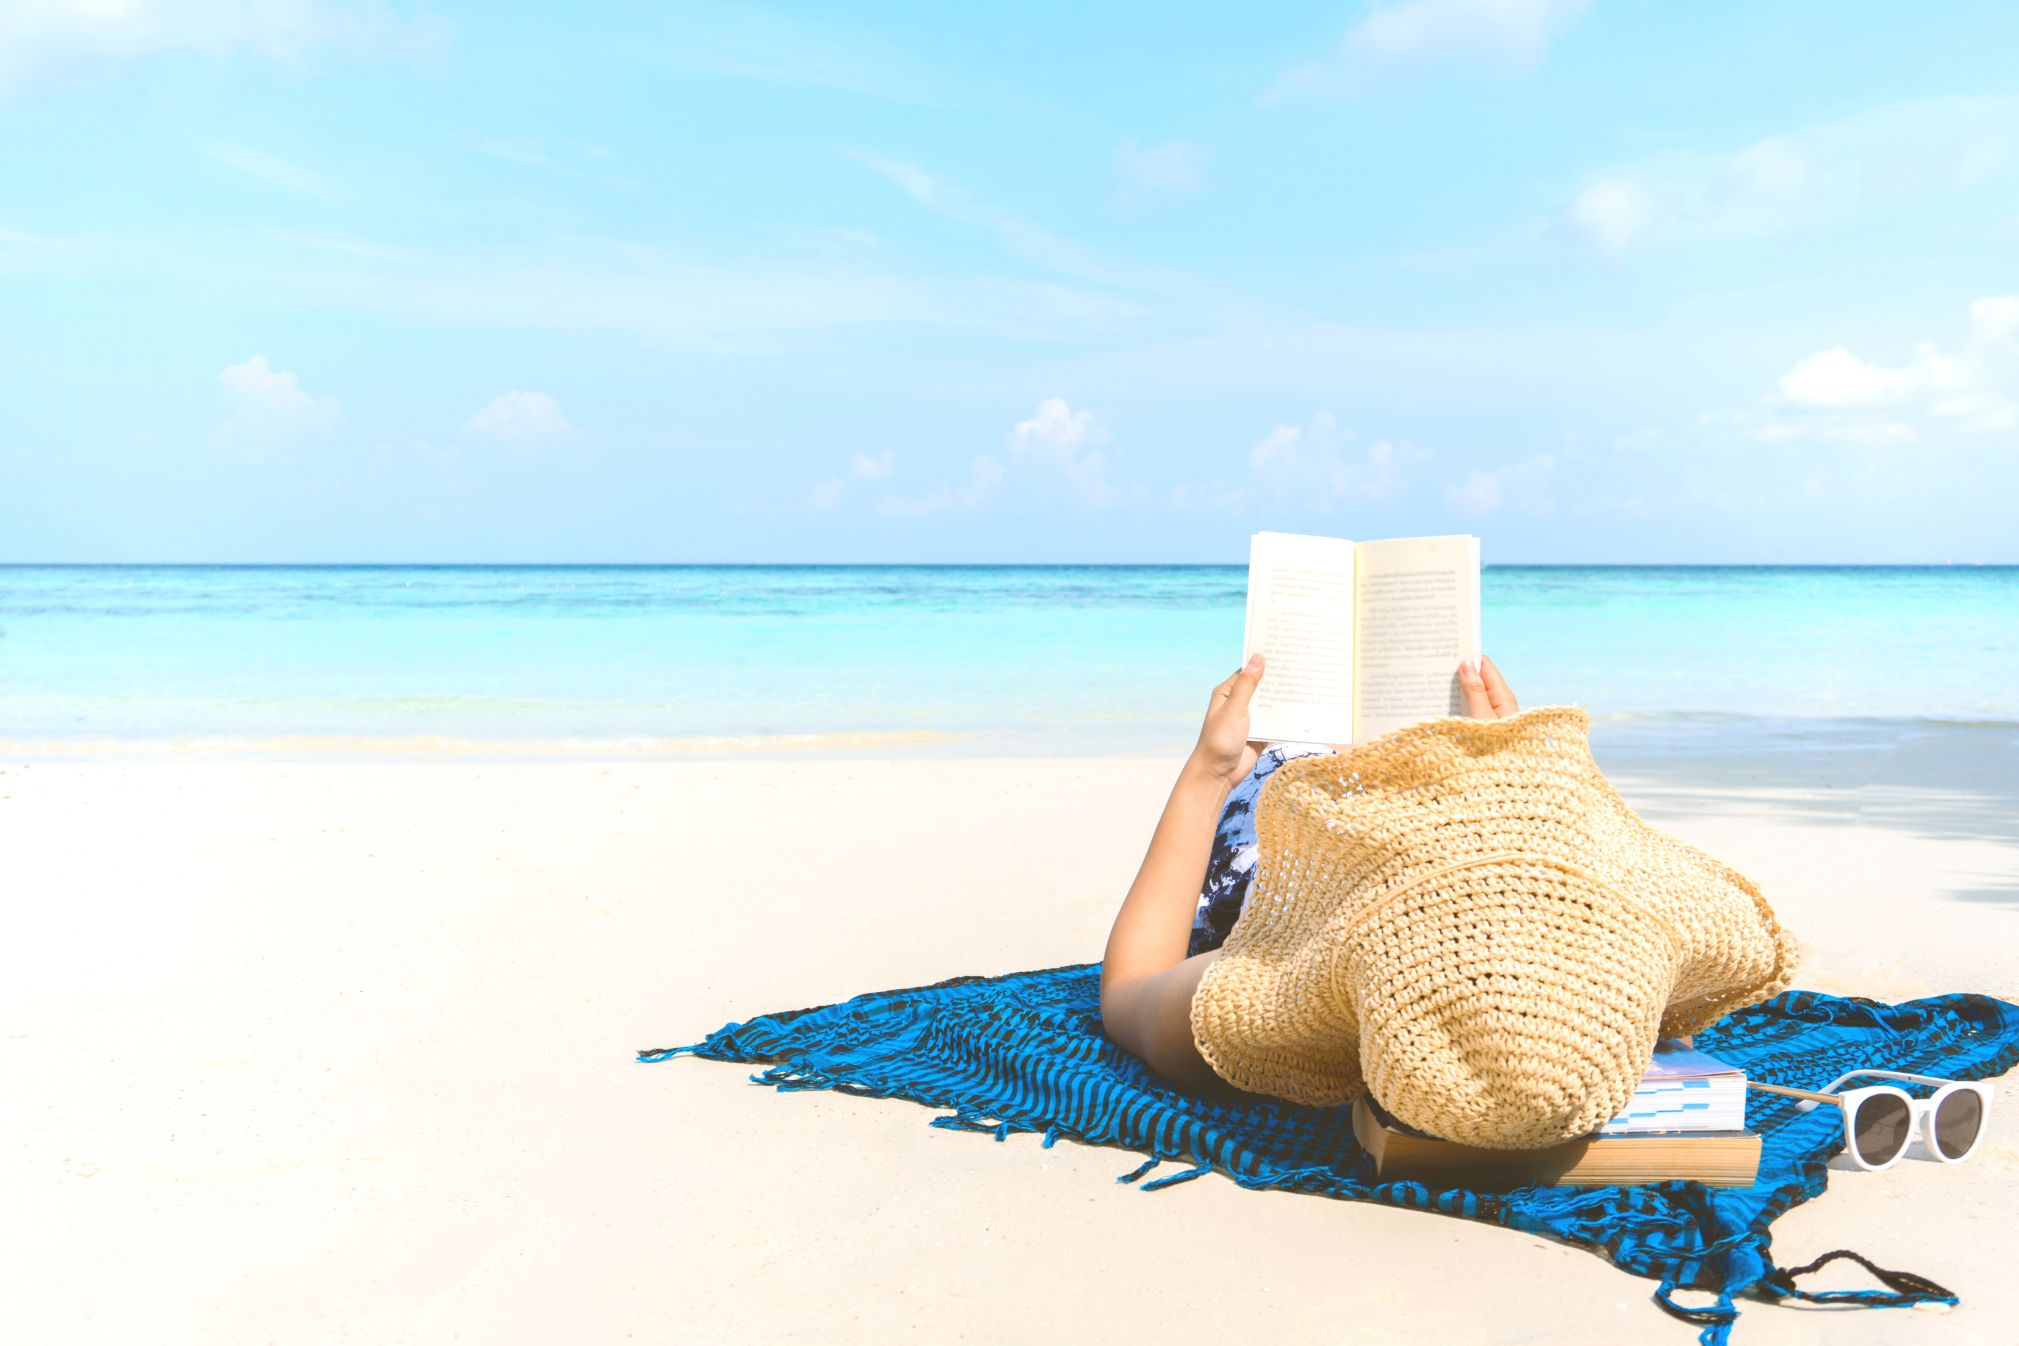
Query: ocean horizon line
point(962, 565)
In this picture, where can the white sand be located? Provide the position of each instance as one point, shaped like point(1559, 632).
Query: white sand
point(343, 1053)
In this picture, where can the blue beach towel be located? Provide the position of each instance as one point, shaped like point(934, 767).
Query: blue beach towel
point(1025, 1052)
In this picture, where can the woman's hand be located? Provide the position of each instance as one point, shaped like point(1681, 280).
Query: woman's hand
point(1223, 751)
point(1487, 695)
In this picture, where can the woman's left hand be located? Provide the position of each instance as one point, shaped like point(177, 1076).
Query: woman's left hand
point(1487, 695)
point(1223, 751)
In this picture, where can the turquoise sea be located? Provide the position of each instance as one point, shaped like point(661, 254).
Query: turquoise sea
point(984, 659)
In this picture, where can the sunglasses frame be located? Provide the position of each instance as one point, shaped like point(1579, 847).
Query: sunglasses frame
point(1920, 1111)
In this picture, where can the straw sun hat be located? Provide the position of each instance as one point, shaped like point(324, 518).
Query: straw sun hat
point(1465, 918)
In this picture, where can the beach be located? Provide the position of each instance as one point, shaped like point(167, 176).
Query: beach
point(533, 537)
point(311, 1050)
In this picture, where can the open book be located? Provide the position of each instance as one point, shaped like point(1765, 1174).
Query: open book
point(1358, 637)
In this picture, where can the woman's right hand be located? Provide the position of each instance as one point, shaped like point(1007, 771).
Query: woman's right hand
point(1487, 695)
point(1223, 752)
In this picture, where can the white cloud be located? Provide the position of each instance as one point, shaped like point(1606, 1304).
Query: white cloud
point(1838, 395)
point(1063, 440)
point(1485, 491)
point(521, 420)
point(1851, 430)
point(1316, 466)
point(267, 409)
point(1277, 448)
point(1319, 464)
point(1147, 174)
point(862, 465)
point(1788, 181)
point(1612, 211)
point(826, 493)
point(1055, 430)
point(46, 43)
point(984, 475)
point(1994, 320)
point(1837, 378)
point(1776, 166)
point(1508, 35)
point(1049, 452)
point(1479, 494)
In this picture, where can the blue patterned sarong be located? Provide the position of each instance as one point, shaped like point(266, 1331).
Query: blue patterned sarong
point(1231, 867)
point(1025, 1052)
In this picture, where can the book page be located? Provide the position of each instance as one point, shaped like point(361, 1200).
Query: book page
point(1417, 611)
point(1300, 616)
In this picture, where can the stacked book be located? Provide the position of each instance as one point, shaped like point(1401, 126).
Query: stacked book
point(1687, 1120)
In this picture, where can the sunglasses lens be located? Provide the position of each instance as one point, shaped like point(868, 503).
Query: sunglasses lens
point(1880, 1127)
point(1958, 1121)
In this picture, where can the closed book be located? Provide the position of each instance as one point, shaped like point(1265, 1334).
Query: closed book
point(1402, 1154)
point(1684, 1090)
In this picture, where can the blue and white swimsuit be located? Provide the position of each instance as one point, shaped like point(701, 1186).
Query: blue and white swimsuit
point(1232, 866)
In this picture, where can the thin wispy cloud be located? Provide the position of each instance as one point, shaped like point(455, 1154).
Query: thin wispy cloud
point(655, 293)
point(349, 246)
point(1525, 485)
point(1129, 288)
point(745, 43)
point(1150, 175)
point(1392, 39)
point(548, 154)
point(55, 254)
point(724, 299)
point(827, 493)
point(985, 473)
point(530, 153)
point(1802, 177)
point(51, 44)
point(274, 171)
point(946, 198)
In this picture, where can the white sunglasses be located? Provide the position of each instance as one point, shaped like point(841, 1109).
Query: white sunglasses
point(1880, 1119)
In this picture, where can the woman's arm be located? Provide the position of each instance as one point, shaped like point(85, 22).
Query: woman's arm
point(1146, 980)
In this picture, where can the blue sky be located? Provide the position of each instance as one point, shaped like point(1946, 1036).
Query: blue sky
point(309, 281)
